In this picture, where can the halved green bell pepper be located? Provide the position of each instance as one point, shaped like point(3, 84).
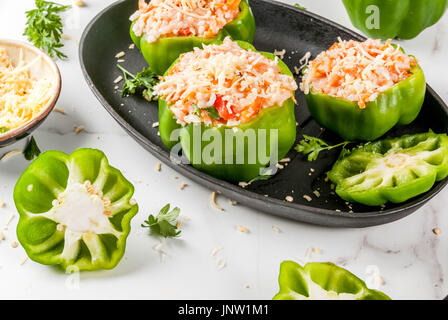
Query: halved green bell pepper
point(322, 281)
point(393, 169)
point(279, 119)
point(403, 19)
point(399, 105)
point(75, 210)
point(161, 54)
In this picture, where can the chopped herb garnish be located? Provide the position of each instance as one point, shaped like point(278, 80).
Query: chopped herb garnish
point(196, 111)
point(145, 79)
point(3, 129)
point(44, 27)
point(299, 6)
point(213, 113)
point(31, 150)
point(265, 176)
point(165, 224)
point(312, 146)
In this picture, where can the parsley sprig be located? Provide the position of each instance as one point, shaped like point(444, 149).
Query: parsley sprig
point(165, 224)
point(312, 146)
point(44, 27)
point(211, 111)
point(145, 79)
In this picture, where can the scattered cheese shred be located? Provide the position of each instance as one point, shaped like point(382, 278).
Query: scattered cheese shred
point(60, 110)
point(24, 259)
point(120, 54)
point(213, 201)
point(78, 129)
point(10, 154)
point(216, 250)
point(11, 217)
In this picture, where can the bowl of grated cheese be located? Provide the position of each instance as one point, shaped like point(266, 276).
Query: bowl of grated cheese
point(30, 83)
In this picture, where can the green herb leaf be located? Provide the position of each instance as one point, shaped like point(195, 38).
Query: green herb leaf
point(196, 111)
point(3, 129)
point(213, 113)
point(299, 6)
point(145, 79)
point(265, 176)
point(31, 150)
point(44, 27)
point(312, 146)
point(165, 224)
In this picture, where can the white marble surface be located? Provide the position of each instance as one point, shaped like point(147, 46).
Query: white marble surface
point(412, 260)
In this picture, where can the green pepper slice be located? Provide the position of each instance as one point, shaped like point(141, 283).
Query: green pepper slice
point(75, 210)
point(393, 169)
point(277, 123)
point(161, 54)
point(322, 281)
point(398, 105)
point(403, 19)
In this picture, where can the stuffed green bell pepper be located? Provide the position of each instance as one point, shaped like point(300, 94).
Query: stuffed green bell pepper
point(322, 281)
point(229, 108)
point(75, 210)
point(386, 19)
point(360, 90)
point(163, 29)
point(393, 169)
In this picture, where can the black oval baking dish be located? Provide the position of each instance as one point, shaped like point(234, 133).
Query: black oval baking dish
point(279, 26)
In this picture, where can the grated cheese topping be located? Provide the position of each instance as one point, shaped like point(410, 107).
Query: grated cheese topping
point(357, 71)
point(21, 96)
point(223, 85)
point(202, 18)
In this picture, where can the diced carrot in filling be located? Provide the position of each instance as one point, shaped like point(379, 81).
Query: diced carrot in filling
point(223, 85)
point(202, 18)
point(357, 71)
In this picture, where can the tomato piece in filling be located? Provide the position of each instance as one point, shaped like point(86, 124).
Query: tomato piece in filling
point(223, 109)
point(184, 32)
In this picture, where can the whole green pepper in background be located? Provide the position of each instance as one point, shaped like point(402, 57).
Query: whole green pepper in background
point(403, 19)
point(393, 169)
point(398, 105)
point(322, 281)
point(75, 210)
point(161, 54)
point(281, 118)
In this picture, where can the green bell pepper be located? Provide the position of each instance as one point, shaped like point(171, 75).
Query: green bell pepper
point(161, 54)
point(398, 105)
point(393, 169)
point(322, 281)
point(279, 119)
point(75, 210)
point(387, 19)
